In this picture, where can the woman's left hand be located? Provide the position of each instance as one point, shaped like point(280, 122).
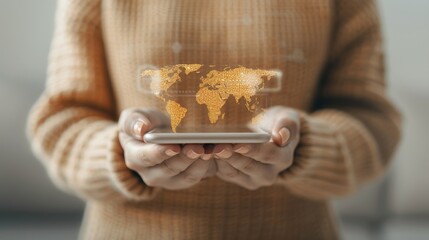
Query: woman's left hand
point(256, 165)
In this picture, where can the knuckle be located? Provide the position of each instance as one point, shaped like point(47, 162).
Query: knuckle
point(169, 170)
point(132, 165)
point(148, 162)
point(155, 178)
point(228, 175)
point(267, 158)
point(152, 157)
point(191, 178)
point(232, 174)
point(158, 152)
point(150, 181)
point(250, 165)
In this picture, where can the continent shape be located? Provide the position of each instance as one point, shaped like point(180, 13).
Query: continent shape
point(214, 88)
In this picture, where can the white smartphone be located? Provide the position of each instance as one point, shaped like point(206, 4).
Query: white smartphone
point(237, 135)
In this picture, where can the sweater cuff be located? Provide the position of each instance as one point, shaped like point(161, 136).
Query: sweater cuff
point(128, 182)
point(102, 171)
point(335, 153)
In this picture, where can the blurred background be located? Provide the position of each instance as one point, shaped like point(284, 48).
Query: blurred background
point(394, 207)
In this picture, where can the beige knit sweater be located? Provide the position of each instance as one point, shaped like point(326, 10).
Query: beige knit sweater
point(332, 62)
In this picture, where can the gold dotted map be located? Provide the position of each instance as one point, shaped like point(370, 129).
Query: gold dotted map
point(210, 86)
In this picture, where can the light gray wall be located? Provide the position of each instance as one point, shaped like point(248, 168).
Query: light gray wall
point(26, 29)
point(25, 33)
point(407, 37)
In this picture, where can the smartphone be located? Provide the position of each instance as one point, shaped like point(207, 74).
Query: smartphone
point(207, 136)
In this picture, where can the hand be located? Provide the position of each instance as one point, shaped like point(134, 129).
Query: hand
point(167, 166)
point(256, 165)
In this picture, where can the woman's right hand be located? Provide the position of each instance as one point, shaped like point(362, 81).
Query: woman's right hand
point(167, 166)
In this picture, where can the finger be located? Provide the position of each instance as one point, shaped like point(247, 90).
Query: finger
point(134, 124)
point(228, 173)
point(268, 153)
point(211, 171)
point(208, 152)
point(193, 151)
point(283, 124)
point(137, 122)
point(194, 173)
point(253, 168)
point(167, 169)
point(285, 131)
point(146, 155)
point(175, 165)
point(223, 151)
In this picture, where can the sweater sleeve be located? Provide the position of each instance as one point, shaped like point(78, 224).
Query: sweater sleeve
point(352, 133)
point(72, 127)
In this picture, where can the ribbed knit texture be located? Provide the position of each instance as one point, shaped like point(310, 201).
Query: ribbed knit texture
point(330, 54)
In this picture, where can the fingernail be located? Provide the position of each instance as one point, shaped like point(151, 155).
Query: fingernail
point(170, 152)
point(285, 134)
point(192, 154)
point(242, 149)
point(137, 128)
point(222, 154)
point(206, 156)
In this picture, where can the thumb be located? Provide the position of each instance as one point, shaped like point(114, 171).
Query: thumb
point(137, 122)
point(283, 124)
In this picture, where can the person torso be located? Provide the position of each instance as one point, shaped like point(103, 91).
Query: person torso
point(292, 36)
